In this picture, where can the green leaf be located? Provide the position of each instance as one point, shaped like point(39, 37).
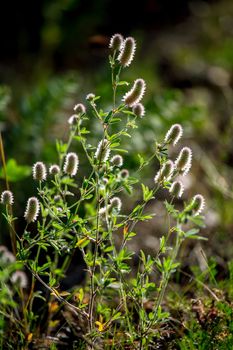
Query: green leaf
point(14, 171)
point(122, 82)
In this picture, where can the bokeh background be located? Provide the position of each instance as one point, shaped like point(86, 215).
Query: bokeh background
point(55, 52)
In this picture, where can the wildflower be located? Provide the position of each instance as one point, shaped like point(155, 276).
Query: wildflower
point(90, 97)
point(117, 160)
point(80, 108)
point(115, 203)
point(7, 198)
point(19, 278)
point(127, 52)
point(102, 151)
point(73, 120)
point(116, 42)
point(71, 164)
point(174, 134)
point(39, 171)
point(7, 257)
point(176, 189)
point(165, 173)
point(198, 204)
point(139, 110)
point(124, 173)
point(184, 160)
point(32, 209)
point(54, 169)
point(135, 95)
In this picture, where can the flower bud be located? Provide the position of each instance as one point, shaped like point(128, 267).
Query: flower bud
point(80, 108)
point(115, 203)
point(71, 164)
point(183, 162)
point(139, 110)
point(135, 95)
point(124, 173)
point(117, 160)
point(54, 169)
point(116, 42)
point(174, 134)
point(127, 52)
point(102, 151)
point(198, 204)
point(39, 171)
point(165, 173)
point(90, 97)
point(7, 198)
point(57, 198)
point(32, 209)
point(73, 120)
point(19, 278)
point(176, 189)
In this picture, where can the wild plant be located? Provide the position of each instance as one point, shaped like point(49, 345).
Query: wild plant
point(109, 309)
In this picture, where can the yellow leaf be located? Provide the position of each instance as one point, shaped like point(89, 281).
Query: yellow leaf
point(29, 337)
point(53, 323)
point(80, 242)
point(100, 326)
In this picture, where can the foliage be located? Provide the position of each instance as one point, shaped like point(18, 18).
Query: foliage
point(85, 214)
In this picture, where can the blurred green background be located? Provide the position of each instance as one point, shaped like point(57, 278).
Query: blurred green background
point(55, 52)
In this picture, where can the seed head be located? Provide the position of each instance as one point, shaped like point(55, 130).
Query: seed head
point(184, 160)
point(102, 151)
point(116, 42)
point(198, 204)
point(139, 110)
point(80, 108)
point(6, 256)
point(32, 209)
point(174, 134)
point(39, 171)
point(54, 169)
point(71, 164)
point(7, 198)
point(135, 95)
point(19, 278)
point(127, 52)
point(176, 189)
point(117, 160)
point(165, 173)
point(115, 203)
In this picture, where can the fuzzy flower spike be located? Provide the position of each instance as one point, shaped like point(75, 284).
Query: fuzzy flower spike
point(116, 42)
point(198, 204)
point(127, 52)
point(176, 189)
point(134, 96)
point(174, 134)
point(7, 198)
point(139, 110)
point(183, 162)
point(39, 171)
point(165, 173)
point(32, 209)
point(71, 164)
